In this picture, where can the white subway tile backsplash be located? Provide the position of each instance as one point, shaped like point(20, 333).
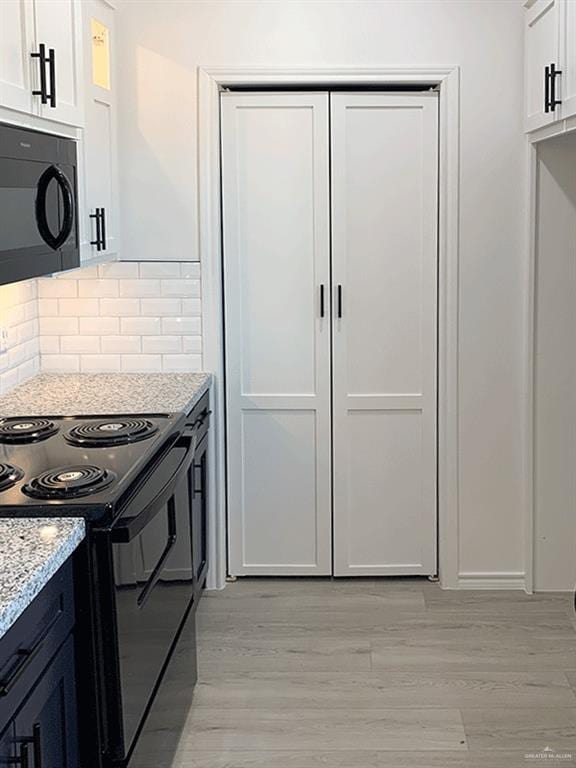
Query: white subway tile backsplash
point(122, 316)
point(8, 380)
point(143, 326)
point(161, 307)
point(57, 289)
point(79, 344)
point(161, 344)
point(78, 307)
point(49, 345)
point(141, 363)
point(48, 307)
point(139, 288)
point(121, 344)
point(120, 307)
point(26, 331)
point(190, 269)
point(18, 317)
point(181, 326)
point(180, 287)
point(99, 363)
point(118, 269)
point(99, 326)
point(181, 363)
point(61, 363)
point(192, 307)
point(82, 273)
point(98, 288)
point(157, 269)
point(53, 326)
point(192, 344)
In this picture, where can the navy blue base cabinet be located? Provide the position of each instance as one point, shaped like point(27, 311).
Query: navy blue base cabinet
point(38, 715)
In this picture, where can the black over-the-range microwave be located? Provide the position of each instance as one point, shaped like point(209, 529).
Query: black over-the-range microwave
point(38, 204)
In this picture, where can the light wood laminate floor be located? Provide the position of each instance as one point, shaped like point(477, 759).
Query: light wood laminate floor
point(391, 673)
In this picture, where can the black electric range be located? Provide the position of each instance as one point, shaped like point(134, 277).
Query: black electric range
point(133, 479)
point(82, 466)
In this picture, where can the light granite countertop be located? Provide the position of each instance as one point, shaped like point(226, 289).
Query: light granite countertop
point(31, 551)
point(86, 394)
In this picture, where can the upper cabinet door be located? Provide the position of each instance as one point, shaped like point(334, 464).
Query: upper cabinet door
point(100, 153)
point(16, 42)
point(569, 58)
point(58, 28)
point(542, 51)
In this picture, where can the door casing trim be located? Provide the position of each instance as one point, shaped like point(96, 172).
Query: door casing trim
point(447, 79)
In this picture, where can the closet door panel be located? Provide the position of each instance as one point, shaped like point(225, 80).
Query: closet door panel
point(384, 213)
point(276, 257)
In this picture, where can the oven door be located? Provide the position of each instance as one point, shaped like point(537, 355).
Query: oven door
point(147, 559)
point(38, 205)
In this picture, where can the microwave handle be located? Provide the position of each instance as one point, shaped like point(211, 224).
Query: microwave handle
point(54, 174)
point(128, 528)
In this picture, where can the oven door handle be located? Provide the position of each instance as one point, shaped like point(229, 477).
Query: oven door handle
point(159, 567)
point(127, 528)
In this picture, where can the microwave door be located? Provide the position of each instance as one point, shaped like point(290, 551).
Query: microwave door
point(23, 251)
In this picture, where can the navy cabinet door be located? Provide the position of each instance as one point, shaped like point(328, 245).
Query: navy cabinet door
point(7, 746)
point(48, 723)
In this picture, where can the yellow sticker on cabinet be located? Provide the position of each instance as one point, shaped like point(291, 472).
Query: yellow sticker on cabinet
point(100, 54)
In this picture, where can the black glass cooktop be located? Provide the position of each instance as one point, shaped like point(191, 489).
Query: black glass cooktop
point(81, 465)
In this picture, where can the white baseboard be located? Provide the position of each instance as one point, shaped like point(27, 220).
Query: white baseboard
point(492, 580)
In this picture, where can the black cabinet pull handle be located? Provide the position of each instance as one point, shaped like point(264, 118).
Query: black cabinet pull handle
point(22, 759)
point(52, 68)
point(98, 241)
point(50, 60)
point(42, 59)
point(37, 745)
point(554, 102)
point(339, 293)
point(550, 100)
point(100, 217)
point(322, 300)
point(103, 228)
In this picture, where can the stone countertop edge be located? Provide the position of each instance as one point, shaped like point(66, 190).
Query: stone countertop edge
point(31, 552)
point(85, 394)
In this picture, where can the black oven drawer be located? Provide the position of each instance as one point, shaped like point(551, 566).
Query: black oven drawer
point(34, 639)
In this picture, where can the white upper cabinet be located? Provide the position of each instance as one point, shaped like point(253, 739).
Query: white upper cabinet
point(550, 52)
point(41, 59)
point(100, 152)
point(542, 51)
point(16, 40)
point(569, 58)
point(58, 28)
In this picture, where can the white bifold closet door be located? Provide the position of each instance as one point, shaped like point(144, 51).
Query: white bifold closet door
point(373, 512)
point(384, 266)
point(275, 176)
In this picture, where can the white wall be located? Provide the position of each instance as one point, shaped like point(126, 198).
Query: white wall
point(555, 364)
point(162, 43)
